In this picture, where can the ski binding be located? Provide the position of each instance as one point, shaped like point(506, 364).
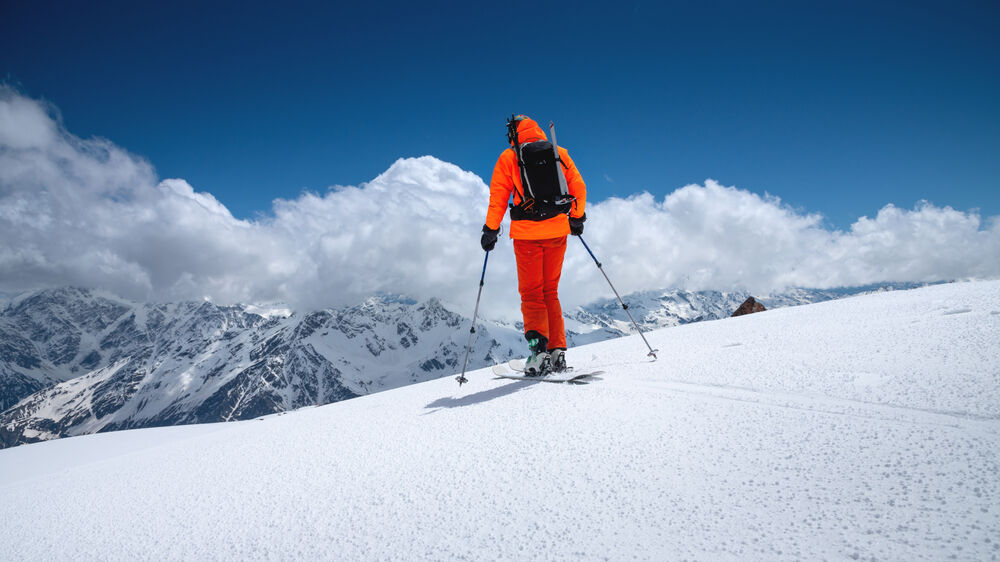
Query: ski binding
point(568, 376)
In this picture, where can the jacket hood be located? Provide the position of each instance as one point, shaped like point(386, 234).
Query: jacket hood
point(529, 131)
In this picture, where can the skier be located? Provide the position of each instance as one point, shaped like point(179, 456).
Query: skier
point(541, 219)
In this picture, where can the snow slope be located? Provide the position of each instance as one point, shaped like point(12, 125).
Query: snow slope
point(864, 428)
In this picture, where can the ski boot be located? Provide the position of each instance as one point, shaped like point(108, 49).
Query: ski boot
point(537, 364)
point(557, 358)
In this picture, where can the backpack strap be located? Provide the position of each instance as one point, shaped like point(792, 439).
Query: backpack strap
point(525, 182)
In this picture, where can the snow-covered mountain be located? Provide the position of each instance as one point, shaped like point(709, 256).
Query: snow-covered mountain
point(652, 310)
point(75, 361)
point(122, 365)
point(856, 429)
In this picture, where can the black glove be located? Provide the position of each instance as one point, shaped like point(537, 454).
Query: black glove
point(489, 239)
point(576, 224)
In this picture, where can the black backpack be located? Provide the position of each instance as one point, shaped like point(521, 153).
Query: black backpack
point(545, 192)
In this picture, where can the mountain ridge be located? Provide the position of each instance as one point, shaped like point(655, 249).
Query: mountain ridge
point(76, 361)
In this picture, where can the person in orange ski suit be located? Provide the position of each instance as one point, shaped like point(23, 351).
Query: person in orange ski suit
point(539, 247)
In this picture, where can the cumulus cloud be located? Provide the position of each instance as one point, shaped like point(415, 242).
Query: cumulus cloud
point(715, 237)
point(86, 212)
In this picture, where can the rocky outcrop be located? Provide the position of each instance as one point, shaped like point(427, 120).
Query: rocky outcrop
point(749, 306)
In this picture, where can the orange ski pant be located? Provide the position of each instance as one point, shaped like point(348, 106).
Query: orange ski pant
point(539, 265)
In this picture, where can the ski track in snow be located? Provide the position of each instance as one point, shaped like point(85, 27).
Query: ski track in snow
point(867, 428)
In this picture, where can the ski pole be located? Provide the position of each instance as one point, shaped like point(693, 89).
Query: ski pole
point(461, 378)
point(652, 352)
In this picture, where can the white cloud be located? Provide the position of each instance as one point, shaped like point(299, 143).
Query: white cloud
point(24, 123)
point(86, 212)
point(715, 237)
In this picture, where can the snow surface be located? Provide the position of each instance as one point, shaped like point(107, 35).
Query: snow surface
point(864, 428)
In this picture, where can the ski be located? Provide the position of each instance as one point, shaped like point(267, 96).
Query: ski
point(562, 377)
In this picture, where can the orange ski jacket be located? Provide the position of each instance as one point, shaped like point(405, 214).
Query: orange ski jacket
point(507, 177)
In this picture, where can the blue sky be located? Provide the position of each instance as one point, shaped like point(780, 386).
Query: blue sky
point(837, 108)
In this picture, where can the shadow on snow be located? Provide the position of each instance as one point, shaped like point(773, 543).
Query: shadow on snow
point(478, 397)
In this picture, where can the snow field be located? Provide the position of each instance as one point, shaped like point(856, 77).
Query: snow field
point(865, 428)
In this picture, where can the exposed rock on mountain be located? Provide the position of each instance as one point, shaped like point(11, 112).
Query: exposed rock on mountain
point(749, 306)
